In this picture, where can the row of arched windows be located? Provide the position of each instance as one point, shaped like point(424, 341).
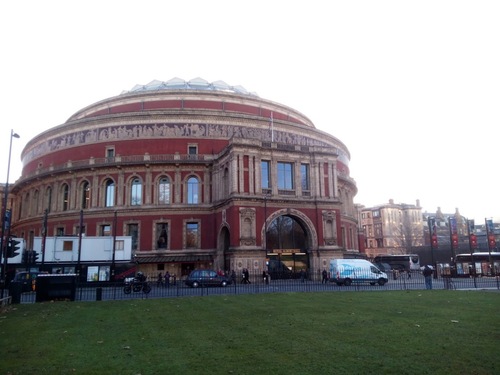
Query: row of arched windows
point(33, 204)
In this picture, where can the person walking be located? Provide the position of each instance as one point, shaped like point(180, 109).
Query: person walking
point(246, 276)
point(167, 279)
point(427, 272)
point(159, 281)
point(324, 277)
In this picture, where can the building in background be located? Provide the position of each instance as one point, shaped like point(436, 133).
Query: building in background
point(198, 175)
point(391, 228)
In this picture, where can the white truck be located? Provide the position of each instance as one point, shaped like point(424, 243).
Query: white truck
point(348, 271)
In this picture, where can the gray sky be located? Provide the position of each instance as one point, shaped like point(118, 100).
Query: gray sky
point(411, 87)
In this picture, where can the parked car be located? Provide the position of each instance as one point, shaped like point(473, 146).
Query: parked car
point(27, 279)
point(206, 278)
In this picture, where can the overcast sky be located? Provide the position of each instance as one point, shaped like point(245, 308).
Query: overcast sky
point(411, 87)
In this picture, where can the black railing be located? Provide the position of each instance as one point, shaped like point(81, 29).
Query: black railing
point(286, 282)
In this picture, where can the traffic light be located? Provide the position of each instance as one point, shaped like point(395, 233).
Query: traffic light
point(473, 241)
point(12, 247)
point(491, 241)
point(30, 257)
point(434, 241)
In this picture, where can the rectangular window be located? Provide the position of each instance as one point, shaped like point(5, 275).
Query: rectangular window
point(105, 230)
point(60, 231)
point(192, 152)
point(110, 152)
point(285, 176)
point(77, 229)
point(120, 245)
point(67, 245)
point(265, 174)
point(304, 176)
point(162, 235)
point(133, 231)
point(192, 235)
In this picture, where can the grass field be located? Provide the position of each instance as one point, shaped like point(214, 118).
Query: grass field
point(417, 332)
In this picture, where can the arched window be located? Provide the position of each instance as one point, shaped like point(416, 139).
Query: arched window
point(192, 190)
point(136, 192)
point(65, 197)
point(36, 202)
point(48, 198)
point(164, 191)
point(26, 208)
point(109, 198)
point(85, 195)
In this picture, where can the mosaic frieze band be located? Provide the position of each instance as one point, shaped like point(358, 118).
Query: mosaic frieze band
point(125, 132)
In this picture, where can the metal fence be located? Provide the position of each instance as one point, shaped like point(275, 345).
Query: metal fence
point(311, 282)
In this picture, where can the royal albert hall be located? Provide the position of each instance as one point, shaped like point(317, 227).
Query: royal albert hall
point(198, 174)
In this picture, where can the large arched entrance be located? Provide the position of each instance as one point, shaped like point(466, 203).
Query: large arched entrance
point(287, 244)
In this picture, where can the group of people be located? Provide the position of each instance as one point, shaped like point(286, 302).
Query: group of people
point(165, 280)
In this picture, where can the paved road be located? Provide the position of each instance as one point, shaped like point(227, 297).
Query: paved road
point(416, 282)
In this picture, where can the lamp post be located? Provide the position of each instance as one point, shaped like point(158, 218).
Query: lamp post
point(490, 240)
point(265, 227)
point(472, 241)
point(431, 222)
point(5, 224)
point(115, 221)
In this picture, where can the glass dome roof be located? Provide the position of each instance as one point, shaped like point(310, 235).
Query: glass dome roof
point(194, 84)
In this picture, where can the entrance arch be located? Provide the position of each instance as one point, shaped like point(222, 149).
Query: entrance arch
point(289, 237)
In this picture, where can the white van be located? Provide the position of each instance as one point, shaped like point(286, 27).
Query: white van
point(348, 271)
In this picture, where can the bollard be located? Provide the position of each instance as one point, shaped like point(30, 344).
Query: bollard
point(98, 294)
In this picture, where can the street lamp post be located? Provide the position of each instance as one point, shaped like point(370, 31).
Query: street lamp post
point(490, 240)
point(431, 222)
point(115, 221)
point(265, 227)
point(5, 225)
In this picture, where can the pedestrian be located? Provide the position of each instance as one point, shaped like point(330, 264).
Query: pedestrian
point(246, 275)
point(159, 281)
point(409, 273)
point(265, 276)
point(302, 275)
point(233, 277)
point(427, 272)
point(167, 279)
point(324, 277)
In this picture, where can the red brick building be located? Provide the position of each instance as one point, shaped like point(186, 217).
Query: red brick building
point(199, 174)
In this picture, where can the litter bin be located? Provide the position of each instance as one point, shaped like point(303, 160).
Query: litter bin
point(52, 287)
point(15, 291)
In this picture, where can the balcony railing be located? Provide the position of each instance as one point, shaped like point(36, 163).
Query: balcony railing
point(72, 165)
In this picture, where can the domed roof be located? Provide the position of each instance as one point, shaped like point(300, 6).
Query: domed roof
point(194, 84)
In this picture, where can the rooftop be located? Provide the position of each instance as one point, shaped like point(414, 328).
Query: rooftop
point(194, 84)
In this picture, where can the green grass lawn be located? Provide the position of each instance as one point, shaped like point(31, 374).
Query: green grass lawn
point(416, 332)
